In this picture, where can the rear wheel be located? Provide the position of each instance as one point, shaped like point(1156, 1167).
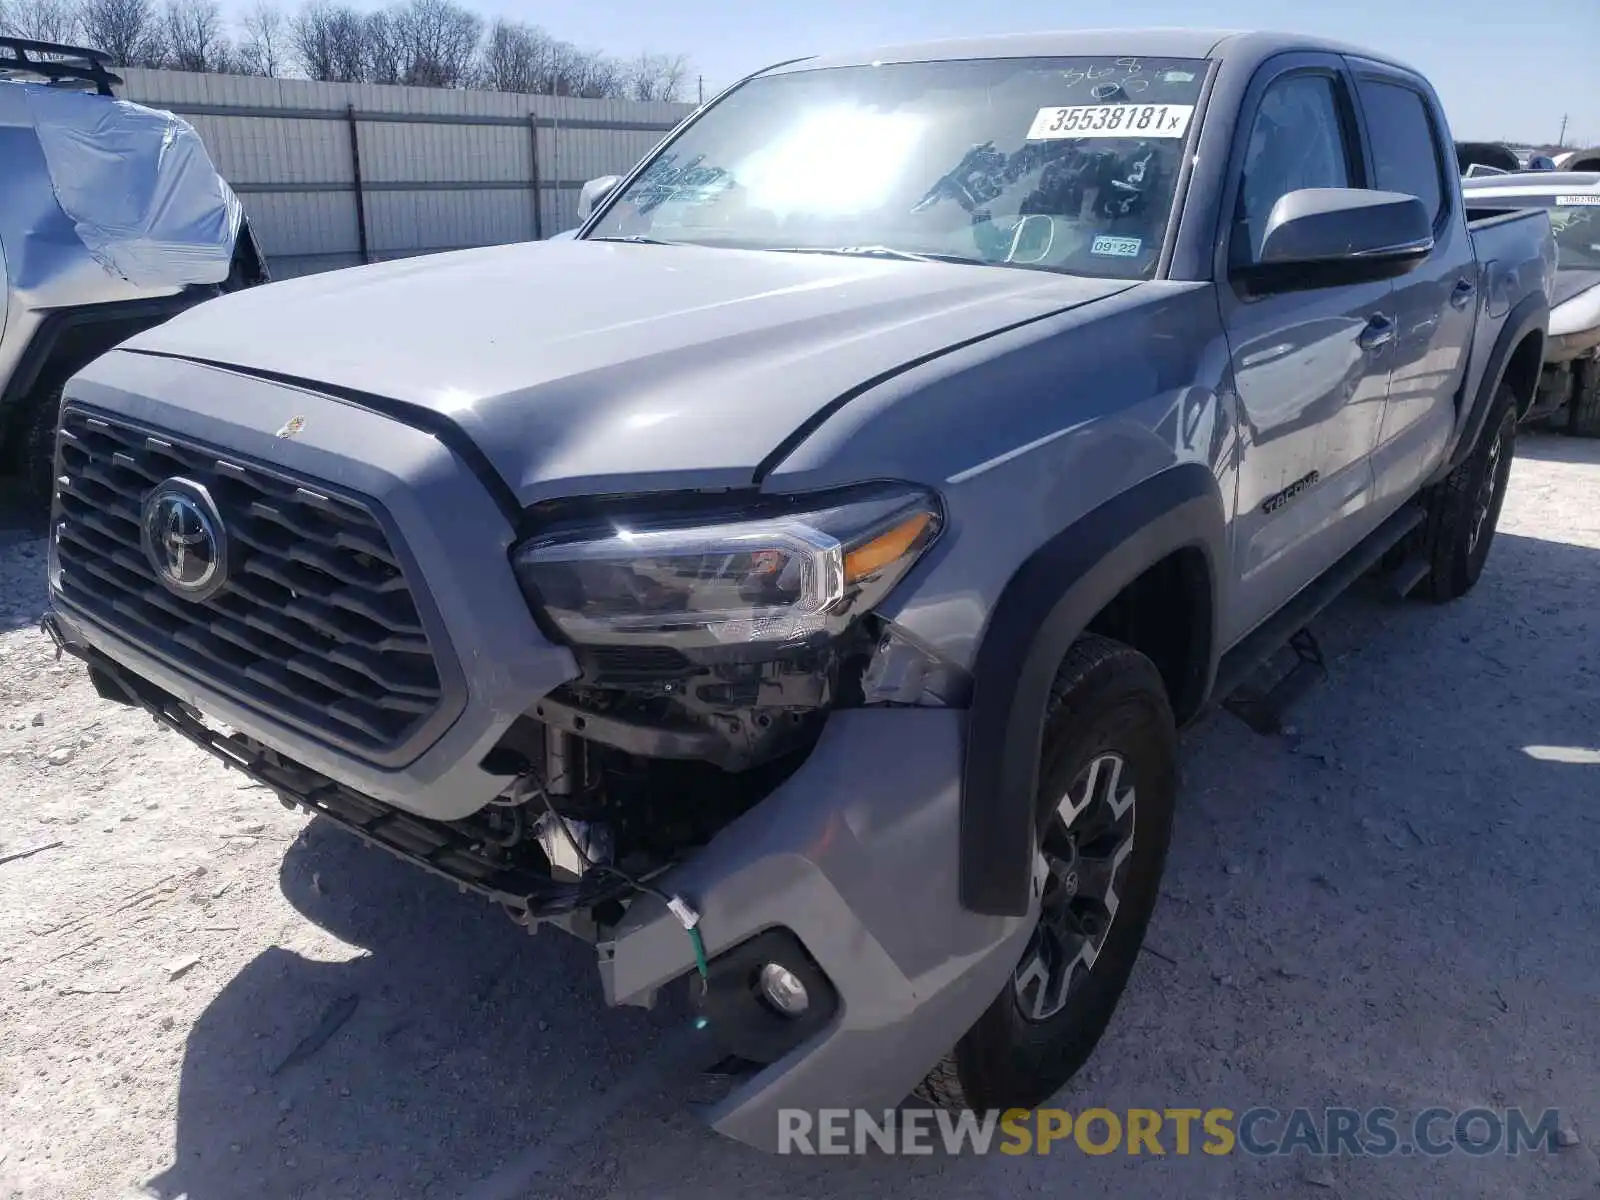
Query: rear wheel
point(1107, 780)
point(1464, 509)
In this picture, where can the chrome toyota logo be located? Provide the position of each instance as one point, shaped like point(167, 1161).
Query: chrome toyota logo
point(184, 540)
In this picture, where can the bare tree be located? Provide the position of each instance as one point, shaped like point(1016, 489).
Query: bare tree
point(384, 51)
point(594, 76)
point(195, 40)
point(41, 20)
point(657, 77)
point(127, 30)
point(515, 57)
point(264, 49)
point(330, 42)
point(426, 43)
point(439, 41)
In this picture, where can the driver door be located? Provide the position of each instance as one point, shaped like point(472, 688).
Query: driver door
point(1311, 367)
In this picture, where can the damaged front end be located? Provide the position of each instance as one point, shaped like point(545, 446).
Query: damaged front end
point(712, 644)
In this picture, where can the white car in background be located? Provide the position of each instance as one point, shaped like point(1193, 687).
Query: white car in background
point(1569, 387)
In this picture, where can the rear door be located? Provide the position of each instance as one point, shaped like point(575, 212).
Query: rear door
point(1311, 367)
point(1435, 304)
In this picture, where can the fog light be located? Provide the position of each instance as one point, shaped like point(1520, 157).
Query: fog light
point(781, 988)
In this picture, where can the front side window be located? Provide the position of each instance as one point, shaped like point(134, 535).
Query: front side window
point(1062, 164)
point(1297, 140)
point(1405, 154)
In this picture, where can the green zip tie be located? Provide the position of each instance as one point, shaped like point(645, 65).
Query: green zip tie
point(699, 952)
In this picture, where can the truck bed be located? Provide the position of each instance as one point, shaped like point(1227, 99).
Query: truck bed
point(1515, 249)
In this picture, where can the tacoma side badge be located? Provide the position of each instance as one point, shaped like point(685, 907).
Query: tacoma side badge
point(292, 426)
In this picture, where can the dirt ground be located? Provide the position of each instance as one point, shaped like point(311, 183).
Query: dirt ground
point(1395, 905)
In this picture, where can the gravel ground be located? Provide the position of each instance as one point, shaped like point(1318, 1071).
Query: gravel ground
point(1394, 905)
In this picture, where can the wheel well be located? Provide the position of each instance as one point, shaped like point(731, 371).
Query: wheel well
point(1522, 371)
point(74, 349)
point(1165, 614)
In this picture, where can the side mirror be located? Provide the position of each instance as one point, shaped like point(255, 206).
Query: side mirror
point(1326, 237)
point(594, 192)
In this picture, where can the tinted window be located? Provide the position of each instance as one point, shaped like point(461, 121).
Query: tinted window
point(1405, 153)
point(1296, 141)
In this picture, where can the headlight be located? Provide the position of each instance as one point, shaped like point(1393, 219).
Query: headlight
point(769, 580)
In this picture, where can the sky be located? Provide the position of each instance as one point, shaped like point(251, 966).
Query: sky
point(1504, 68)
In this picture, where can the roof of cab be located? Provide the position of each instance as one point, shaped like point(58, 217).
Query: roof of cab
point(1132, 43)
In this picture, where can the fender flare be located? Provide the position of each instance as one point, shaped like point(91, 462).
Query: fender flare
point(1044, 608)
point(118, 319)
point(1530, 315)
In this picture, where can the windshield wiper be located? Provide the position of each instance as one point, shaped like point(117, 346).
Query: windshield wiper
point(877, 252)
point(637, 239)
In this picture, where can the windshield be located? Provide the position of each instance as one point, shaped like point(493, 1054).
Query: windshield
point(1063, 164)
point(1577, 229)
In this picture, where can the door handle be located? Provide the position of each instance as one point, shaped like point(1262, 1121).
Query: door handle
point(1462, 293)
point(1378, 333)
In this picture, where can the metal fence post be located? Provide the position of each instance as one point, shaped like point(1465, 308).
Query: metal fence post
point(533, 172)
point(355, 172)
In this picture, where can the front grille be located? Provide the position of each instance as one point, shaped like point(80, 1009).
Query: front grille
point(315, 626)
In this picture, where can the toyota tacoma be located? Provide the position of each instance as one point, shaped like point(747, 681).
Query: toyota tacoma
point(793, 582)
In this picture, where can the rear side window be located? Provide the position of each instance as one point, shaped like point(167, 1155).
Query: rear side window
point(1405, 152)
point(1297, 140)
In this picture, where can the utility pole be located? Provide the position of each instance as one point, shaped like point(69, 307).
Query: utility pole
point(1561, 140)
point(702, 79)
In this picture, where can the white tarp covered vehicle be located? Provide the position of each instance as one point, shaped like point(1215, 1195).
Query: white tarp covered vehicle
point(1569, 386)
point(112, 219)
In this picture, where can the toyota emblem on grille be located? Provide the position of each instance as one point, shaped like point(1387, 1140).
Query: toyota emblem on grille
point(184, 539)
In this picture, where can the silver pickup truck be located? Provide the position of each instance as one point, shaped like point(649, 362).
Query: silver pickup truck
point(794, 582)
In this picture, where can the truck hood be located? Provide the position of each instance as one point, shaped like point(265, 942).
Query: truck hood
point(590, 367)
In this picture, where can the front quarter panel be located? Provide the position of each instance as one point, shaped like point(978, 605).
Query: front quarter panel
point(1025, 433)
point(1072, 455)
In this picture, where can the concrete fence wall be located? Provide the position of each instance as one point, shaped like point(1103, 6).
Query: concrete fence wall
point(334, 174)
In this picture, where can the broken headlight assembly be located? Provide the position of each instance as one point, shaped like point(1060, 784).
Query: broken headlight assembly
point(711, 645)
point(729, 590)
point(721, 637)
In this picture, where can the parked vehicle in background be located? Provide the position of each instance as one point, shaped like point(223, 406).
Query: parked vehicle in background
point(1579, 160)
point(1492, 156)
point(112, 219)
point(1569, 386)
point(803, 604)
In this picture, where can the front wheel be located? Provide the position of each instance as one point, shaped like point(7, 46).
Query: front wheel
point(1107, 782)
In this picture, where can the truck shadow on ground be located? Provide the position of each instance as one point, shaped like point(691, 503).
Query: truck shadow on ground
point(452, 1040)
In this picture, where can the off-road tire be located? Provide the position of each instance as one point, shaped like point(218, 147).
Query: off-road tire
point(37, 421)
point(1455, 552)
point(1583, 410)
point(1106, 697)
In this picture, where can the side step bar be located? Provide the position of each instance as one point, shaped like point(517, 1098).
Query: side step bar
point(1240, 663)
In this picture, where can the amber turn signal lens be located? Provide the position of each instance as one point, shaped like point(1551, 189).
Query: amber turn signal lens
point(888, 547)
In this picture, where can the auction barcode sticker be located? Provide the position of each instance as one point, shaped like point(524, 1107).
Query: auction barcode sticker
point(1576, 201)
point(1111, 120)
